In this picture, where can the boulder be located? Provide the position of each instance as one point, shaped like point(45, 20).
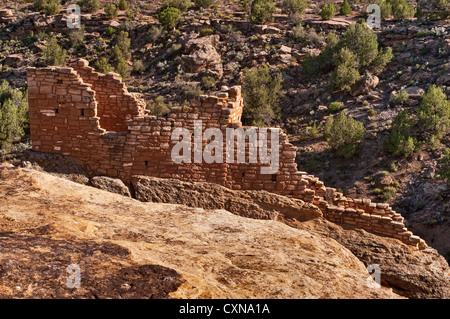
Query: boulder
point(201, 56)
point(414, 92)
point(12, 60)
point(113, 185)
point(367, 83)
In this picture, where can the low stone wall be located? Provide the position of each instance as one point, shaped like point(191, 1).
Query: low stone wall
point(66, 119)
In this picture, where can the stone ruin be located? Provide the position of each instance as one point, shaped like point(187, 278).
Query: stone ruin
point(77, 112)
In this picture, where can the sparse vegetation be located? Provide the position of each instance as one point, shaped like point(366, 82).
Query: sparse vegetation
point(335, 107)
point(262, 11)
point(434, 112)
point(76, 37)
point(402, 10)
point(182, 5)
point(111, 11)
point(400, 141)
point(123, 68)
point(138, 67)
point(208, 82)
point(444, 172)
point(102, 65)
point(53, 54)
point(328, 11)
point(204, 3)
point(356, 52)
point(13, 114)
point(123, 5)
point(343, 134)
point(385, 8)
point(169, 17)
point(346, 9)
point(261, 91)
point(89, 6)
point(346, 72)
point(295, 7)
point(158, 107)
point(399, 98)
point(48, 7)
point(122, 47)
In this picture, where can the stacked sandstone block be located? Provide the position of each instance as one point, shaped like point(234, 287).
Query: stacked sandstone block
point(115, 105)
point(70, 107)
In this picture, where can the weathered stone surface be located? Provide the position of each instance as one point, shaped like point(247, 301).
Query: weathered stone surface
point(113, 185)
point(414, 92)
point(56, 164)
point(423, 274)
point(166, 250)
point(253, 204)
point(201, 56)
point(367, 83)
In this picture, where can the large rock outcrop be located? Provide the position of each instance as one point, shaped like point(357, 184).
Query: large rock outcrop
point(411, 273)
point(48, 223)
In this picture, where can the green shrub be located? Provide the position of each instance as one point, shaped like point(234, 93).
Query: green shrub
point(262, 11)
point(111, 11)
point(444, 172)
point(307, 36)
point(335, 107)
point(385, 8)
point(39, 5)
point(346, 9)
point(207, 82)
point(206, 32)
point(109, 32)
point(261, 93)
point(48, 7)
point(122, 47)
point(295, 7)
point(388, 193)
point(328, 11)
point(399, 98)
point(158, 107)
point(102, 65)
point(191, 90)
point(400, 141)
point(362, 40)
point(76, 37)
point(371, 112)
point(402, 10)
point(343, 134)
point(52, 7)
point(13, 114)
point(154, 33)
point(123, 68)
point(53, 54)
point(346, 72)
point(393, 167)
point(138, 67)
point(169, 17)
point(434, 112)
point(182, 5)
point(89, 5)
point(245, 4)
point(123, 5)
point(204, 3)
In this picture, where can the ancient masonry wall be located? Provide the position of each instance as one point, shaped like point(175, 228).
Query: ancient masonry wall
point(77, 112)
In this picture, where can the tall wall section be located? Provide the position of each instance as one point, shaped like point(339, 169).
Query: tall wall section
point(92, 117)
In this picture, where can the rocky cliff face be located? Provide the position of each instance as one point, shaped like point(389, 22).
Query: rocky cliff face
point(125, 248)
